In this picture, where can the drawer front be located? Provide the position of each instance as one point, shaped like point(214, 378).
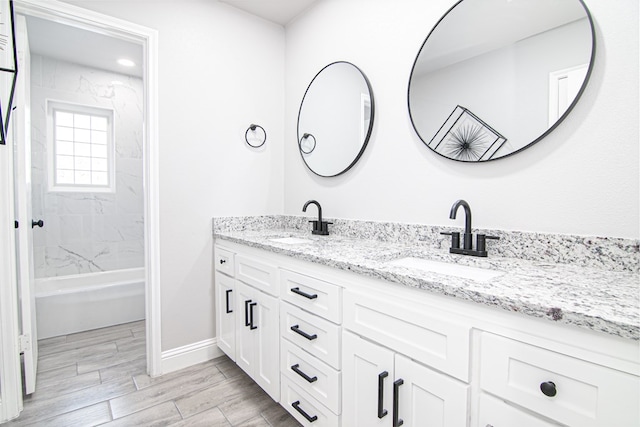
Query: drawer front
point(317, 296)
point(317, 336)
point(223, 261)
point(496, 413)
point(318, 379)
point(586, 394)
point(257, 273)
point(410, 329)
point(305, 408)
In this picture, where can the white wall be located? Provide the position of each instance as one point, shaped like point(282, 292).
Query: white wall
point(582, 179)
point(219, 71)
point(87, 232)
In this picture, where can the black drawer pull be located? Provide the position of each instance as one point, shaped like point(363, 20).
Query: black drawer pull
point(304, 294)
point(397, 422)
point(381, 411)
point(246, 312)
point(222, 261)
point(251, 325)
point(227, 292)
point(296, 406)
point(548, 388)
point(296, 329)
point(296, 368)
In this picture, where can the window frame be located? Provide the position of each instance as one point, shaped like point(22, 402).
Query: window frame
point(76, 108)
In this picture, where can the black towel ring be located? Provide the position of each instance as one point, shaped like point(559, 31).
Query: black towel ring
point(307, 136)
point(252, 128)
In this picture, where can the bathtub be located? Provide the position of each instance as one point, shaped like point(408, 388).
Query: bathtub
point(69, 304)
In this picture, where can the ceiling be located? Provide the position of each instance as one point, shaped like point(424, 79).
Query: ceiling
point(279, 11)
point(72, 44)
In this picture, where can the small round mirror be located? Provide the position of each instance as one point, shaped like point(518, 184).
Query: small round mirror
point(335, 119)
point(495, 76)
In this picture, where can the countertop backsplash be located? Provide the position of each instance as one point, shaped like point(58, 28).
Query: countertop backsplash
point(614, 254)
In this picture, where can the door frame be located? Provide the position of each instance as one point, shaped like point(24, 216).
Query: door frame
point(147, 37)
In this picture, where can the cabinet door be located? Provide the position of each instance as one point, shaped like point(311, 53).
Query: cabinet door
point(226, 314)
point(264, 325)
point(245, 342)
point(367, 383)
point(429, 399)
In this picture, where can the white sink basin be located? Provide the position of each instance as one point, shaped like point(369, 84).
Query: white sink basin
point(291, 240)
point(462, 271)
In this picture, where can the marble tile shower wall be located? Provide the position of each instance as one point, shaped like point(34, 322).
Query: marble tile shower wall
point(88, 232)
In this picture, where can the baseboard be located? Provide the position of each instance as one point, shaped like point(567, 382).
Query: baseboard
point(191, 354)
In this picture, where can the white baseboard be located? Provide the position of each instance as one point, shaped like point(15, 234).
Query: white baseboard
point(191, 354)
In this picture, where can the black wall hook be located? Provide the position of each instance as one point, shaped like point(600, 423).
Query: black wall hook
point(252, 127)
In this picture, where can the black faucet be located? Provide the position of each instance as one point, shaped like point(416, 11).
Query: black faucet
point(319, 227)
point(467, 240)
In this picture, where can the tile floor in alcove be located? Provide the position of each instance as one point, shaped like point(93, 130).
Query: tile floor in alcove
point(98, 378)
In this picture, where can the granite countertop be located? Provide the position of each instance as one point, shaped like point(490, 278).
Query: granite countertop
point(592, 298)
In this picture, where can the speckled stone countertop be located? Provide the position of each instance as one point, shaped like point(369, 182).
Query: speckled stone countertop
point(596, 297)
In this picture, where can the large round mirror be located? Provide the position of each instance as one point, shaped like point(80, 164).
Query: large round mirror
point(495, 76)
point(335, 119)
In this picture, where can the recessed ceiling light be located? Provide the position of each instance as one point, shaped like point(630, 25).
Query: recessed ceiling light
point(126, 62)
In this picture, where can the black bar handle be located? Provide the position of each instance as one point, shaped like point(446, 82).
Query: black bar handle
point(296, 406)
point(381, 411)
point(304, 294)
point(246, 312)
point(296, 368)
point(227, 292)
point(251, 325)
point(397, 422)
point(297, 330)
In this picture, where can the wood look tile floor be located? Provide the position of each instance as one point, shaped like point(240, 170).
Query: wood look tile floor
point(99, 378)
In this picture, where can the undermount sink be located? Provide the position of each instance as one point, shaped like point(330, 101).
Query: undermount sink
point(449, 269)
point(291, 240)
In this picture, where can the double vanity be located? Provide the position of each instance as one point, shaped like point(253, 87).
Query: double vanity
point(378, 324)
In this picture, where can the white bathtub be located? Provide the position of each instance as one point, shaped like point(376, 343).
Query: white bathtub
point(69, 304)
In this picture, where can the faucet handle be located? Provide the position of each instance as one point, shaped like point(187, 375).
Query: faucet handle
point(481, 241)
point(455, 238)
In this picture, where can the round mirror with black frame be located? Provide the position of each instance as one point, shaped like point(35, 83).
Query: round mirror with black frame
point(335, 119)
point(494, 77)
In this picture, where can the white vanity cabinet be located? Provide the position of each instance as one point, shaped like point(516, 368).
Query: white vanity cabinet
point(310, 317)
point(247, 316)
point(225, 302)
point(340, 349)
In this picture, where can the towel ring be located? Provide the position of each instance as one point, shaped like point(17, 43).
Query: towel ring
point(252, 128)
point(307, 136)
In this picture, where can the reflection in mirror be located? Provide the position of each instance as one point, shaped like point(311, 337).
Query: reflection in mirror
point(495, 76)
point(335, 119)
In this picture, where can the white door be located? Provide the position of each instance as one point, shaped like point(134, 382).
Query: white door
point(226, 314)
point(245, 344)
point(367, 383)
point(429, 399)
point(266, 332)
point(21, 123)
point(10, 381)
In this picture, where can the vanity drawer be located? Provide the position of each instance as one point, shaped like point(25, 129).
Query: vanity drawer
point(223, 260)
point(586, 394)
point(321, 381)
point(317, 296)
point(411, 328)
point(495, 412)
point(305, 408)
point(257, 273)
point(311, 333)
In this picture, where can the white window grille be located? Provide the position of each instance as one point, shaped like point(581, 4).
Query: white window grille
point(80, 148)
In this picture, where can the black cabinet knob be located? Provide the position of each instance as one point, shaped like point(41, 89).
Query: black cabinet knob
point(548, 388)
point(222, 261)
point(39, 223)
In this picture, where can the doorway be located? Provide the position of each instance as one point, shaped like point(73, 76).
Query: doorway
point(140, 156)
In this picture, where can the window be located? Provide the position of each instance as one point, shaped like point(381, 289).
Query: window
point(81, 148)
